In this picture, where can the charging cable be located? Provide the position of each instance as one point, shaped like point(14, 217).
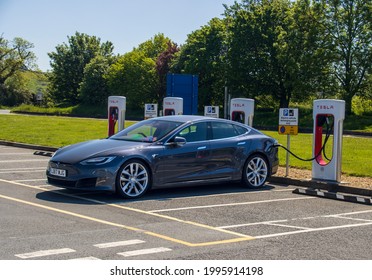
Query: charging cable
point(322, 150)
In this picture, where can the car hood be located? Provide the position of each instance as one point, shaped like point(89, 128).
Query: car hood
point(95, 148)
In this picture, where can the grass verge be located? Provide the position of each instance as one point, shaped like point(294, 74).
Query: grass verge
point(51, 131)
point(61, 131)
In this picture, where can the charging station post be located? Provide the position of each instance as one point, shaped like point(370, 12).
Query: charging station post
point(328, 113)
point(116, 114)
point(242, 110)
point(288, 124)
point(172, 106)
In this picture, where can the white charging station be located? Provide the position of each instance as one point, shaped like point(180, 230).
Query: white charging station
point(116, 114)
point(328, 114)
point(242, 110)
point(212, 111)
point(172, 106)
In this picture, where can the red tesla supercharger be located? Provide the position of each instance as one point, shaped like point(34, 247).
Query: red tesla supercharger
point(116, 114)
point(242, 110)
point(172, 106)
point(328, 116)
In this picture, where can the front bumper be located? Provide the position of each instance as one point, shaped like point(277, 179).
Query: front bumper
point(82, 178)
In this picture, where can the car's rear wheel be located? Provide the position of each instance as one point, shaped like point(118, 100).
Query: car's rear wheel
point(255, 172)
point(133, 179)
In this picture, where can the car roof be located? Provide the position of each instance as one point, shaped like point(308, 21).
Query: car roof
point(194, 118)
point(184, 118)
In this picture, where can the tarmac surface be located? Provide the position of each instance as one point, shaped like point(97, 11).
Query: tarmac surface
point(222, 221)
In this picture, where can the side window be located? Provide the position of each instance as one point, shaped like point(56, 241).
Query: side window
point(194, 132)
point(225, 130)
point(240, 130)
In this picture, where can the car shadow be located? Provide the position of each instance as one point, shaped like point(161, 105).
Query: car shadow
point(200, 191)
point(162, 194)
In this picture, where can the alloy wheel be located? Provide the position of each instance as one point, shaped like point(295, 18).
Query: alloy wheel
point(256, 172)
point(134, 179)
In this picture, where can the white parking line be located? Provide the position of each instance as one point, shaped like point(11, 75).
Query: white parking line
point(340, 216)
point(23, 160)
point(15, 154)
point(353, 219)
point(21, 171)
point(254, 224)
point(90, 258)
point(311, 230)
point(233, 193)
point(45, 253)
point(30, 180)
point(22, 168)
point(270, 223)
point(144, 252)
point(349, 213)
point(119, 243)
point(230, 204)
point(288, 226)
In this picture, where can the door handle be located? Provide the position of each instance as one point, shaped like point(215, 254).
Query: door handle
point(202, 148)
point(241, 143)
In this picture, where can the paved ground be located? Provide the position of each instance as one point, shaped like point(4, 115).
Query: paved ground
point(39, 221)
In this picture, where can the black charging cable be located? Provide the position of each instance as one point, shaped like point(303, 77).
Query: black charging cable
point(328, 134)
point(322, 150)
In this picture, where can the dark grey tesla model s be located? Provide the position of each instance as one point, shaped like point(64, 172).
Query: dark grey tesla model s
point(167, 151)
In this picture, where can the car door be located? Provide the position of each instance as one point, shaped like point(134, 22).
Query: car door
point(184, 163)
point(227, 149)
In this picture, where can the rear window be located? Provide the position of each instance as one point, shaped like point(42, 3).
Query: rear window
point(240, 130)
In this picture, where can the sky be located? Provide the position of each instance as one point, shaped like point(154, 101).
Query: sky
point(125, 23)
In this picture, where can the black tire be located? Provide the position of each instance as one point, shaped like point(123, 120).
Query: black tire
point(255, 172)
point(133, 179)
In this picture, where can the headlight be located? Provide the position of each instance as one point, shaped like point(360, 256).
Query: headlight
point(97, 161)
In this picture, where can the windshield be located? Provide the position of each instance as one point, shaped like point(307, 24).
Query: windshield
point(147, 131)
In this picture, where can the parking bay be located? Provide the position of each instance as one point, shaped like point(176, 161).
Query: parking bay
point(206, 222)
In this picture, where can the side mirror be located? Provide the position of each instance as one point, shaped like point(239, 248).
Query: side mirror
point(177, 141)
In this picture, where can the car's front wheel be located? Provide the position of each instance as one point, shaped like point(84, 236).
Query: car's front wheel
point(255, 172)
point(133, 179)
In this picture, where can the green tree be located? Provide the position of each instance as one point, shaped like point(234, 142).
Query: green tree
point(163, 65)
point(204, 54)
point(68, 63)
point(274, 50)
point(94, 88)
point(154, 47)
point(15, 56)
point(137, 75)
point(254, 32)
point(134, 77)
point(17, 90)
point(348, 31)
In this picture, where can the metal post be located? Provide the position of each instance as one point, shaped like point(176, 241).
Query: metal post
point(287, 155)
point(225, 112)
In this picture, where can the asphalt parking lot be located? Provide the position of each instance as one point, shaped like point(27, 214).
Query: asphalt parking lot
point(39, 221)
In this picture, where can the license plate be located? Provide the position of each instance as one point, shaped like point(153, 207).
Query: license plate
point(57, 172)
